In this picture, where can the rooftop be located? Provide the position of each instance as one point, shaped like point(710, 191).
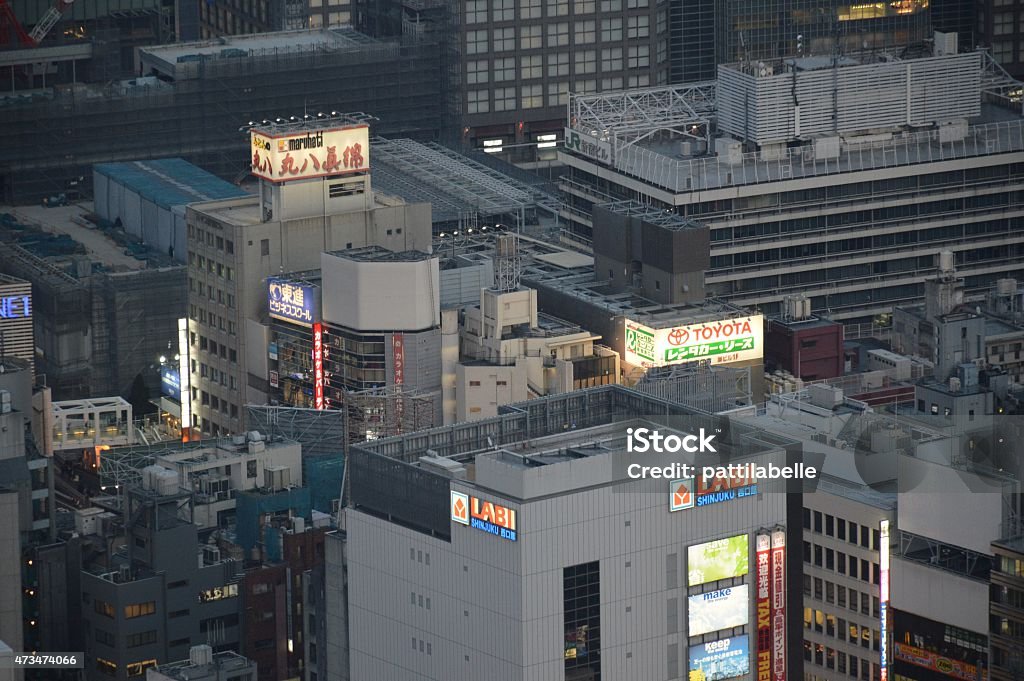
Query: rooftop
point(186, 669)
point(665, 136)
point(380, 254)
point(169, 182)
point(259, 44)
point(668, 219)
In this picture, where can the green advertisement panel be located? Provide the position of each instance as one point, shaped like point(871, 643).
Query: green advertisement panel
point(719, 559)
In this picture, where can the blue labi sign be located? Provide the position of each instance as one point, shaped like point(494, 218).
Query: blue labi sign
point(291, 302)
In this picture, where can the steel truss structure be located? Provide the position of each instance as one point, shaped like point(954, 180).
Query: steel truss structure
point(455, 185)
point(634, 115)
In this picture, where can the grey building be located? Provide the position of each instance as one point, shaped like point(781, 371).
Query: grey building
point(847, 201)
point(548, 562)
point(161, 593)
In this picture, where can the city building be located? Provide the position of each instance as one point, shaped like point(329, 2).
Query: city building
point(665, 575)
point(147, 199)
point(104, 305)
point(809, 347)
point(205, 665)
point(159, 591)
point(236, 244)
point(1006, 625)
point(846, 203)
point(997, 27)
point(189, 100)
point(233, 17)
point(16, 334)
point(896, 538)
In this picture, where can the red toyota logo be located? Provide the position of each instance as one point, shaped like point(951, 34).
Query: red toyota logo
point(678, 336)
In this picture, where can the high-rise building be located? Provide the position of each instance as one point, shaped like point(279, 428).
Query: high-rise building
point(1006, 600)
point(236, 244)
point(836, 178)
point(16, 335)
point(548, 562)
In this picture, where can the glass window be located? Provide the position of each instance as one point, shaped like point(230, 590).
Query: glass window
point(504, 41)
point(504, 10)
point(639, 56)
point(476, 11)
point(477, 72)
point(558, 94)
point(638, 26)
point(586, 32)
point(504, 69)
point(505, 99)
point(611, 30)
point(558, 34)
point(558, 8)
point(531, 66)
point(558, 64)
point(529, 9)
point(476, 42)
point(530, 37)
point(583, 6)
point(611, 59)
point(477, 101)
point(533, 96)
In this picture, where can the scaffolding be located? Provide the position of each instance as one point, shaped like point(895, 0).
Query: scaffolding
point(700, 386)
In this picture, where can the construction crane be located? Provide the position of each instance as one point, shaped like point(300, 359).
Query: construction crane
point(9, 22)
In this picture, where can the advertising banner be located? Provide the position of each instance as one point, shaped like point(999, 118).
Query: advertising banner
point(292, 302)
point(883, 598)
point(720, 342)
point(778, 605)
point(763, 548)
point(721, 609)
point(719, 559)
point(305, 154)
point(318, 366)
point(922, 658)
point(722, 659)
point(170, 382)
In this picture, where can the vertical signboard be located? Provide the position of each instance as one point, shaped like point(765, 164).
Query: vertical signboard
point(778, 609)
point(398, 363)
point(883, 600)
point(318, 365)
point(763, 547)
point(184, 381)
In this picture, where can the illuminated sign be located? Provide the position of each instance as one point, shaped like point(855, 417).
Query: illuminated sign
point(778, 605)
point(588, 145)
point(883, 600)
point(318, 366)
point(398, 364)
point(722, 659)
point(922, 658)
point(721, 609)
point(719, 559)
point(184, 380)
point(710, 490)
point(170, 382)
point(485, 516)
point(720, 342)
point(763, 548)
point(301, 155)
point(15, 307)
point(292, 302)
point(218, 593)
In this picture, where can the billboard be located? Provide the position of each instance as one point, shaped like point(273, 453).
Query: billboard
point(485, 516)
point(778, 603)
point(722, 659)
point(318, 366)
point(689, 493)
point(292, 302)
point(721, 609)
point(938, 663)
point(720, 342)
point(588, 145)
point(719, 559)
point(883, 599)
point(763, 547)
point(305, 154)
point(170, 382)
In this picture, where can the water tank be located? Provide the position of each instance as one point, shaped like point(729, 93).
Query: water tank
point(807, 308)
point(954, 384)
point(505, 246)
point(201, 654)
point(1006, 287)
point(946, 261)
point(16, 378)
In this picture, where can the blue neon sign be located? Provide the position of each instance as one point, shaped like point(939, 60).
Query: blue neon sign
point(15, 307)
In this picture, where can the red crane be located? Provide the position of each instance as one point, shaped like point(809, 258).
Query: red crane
point(9, 23)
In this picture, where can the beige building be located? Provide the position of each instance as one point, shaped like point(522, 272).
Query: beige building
point(236, 244)
point(511, 353)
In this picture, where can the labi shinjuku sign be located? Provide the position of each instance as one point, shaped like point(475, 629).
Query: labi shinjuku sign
point(485, 516)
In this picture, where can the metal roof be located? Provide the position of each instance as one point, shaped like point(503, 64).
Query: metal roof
point(455, 185)
point(169, 182)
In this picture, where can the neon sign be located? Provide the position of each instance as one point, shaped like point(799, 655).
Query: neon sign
point(485, 516)
point(318, 365)
point(15, 307)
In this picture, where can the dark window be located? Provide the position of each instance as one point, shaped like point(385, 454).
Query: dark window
point(581, 599)
point(829, 523)
point(264, 246)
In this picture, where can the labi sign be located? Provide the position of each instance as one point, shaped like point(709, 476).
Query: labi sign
point(485, 516)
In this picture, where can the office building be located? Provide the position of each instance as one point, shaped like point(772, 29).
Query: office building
point(234, 17)
point(190, 99)
point(162, 592)
point(236, 244)
point(808, 347)
point(847, 203)
point(16, 334)
point(625, 594)
point(998, 28)
point(104, 305)
point(205, 665)
point(1006, 626)
point(896, 539)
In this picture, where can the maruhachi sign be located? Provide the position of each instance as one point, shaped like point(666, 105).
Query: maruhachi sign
point(301, 155)
point(720, 342)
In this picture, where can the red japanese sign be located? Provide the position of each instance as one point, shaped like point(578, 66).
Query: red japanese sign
point(318, 365)
point(310, 153)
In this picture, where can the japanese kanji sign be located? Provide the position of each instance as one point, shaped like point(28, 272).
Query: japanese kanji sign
point(310, 153)
point(292, 301)
point(720, 342)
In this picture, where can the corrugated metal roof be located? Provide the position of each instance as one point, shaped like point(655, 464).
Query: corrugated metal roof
point(169, 182)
